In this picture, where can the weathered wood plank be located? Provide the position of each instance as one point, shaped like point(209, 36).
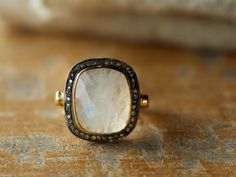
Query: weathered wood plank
point(189, 129)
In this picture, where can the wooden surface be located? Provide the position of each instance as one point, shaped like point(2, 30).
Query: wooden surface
point(189, 129)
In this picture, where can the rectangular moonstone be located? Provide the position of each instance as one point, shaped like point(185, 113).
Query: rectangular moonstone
point(102, 100)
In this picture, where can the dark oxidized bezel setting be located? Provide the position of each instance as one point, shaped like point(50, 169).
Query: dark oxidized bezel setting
point(134, 90)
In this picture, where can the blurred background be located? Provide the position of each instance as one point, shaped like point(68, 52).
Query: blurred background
point(184, 54)
point(190, 23)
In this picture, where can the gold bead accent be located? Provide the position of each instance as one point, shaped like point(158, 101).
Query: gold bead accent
point(144, 101)
point(59, 98)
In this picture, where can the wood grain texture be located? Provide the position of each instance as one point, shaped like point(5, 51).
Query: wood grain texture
point(189, 129)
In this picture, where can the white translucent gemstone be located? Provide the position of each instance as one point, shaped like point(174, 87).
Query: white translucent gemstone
point(102, 100)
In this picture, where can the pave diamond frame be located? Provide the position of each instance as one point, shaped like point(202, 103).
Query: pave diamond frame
point(69, 98)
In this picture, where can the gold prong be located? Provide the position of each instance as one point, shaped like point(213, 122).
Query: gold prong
point(144, 101)
point(59, 98)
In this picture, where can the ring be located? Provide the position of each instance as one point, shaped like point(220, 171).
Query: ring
point(102, 100)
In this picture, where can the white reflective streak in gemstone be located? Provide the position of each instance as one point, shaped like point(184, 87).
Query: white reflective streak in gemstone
point(103, 100)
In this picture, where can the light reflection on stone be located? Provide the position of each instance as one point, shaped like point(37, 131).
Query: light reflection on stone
point(102, 100)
